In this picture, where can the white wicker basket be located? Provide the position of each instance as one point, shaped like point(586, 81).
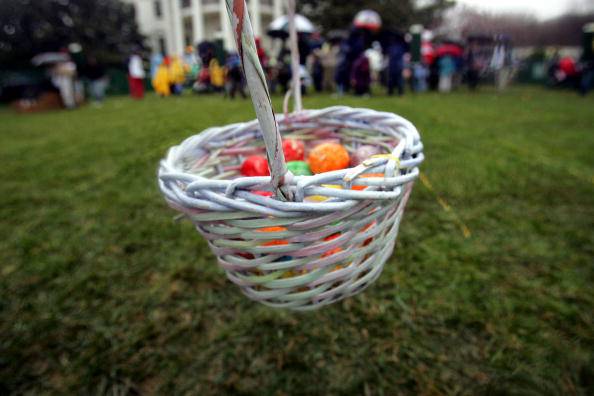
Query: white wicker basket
point(294, 250)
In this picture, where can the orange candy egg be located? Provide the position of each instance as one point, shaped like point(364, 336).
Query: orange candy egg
point(328, 157)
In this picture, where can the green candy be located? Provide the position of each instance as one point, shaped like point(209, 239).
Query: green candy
point(299, 168)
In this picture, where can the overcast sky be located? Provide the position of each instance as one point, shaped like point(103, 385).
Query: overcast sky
point(542, 9)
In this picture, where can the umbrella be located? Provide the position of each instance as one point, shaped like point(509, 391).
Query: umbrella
point(449, 49)
point(280, 26)
point(49, 57)
point(368, 19)
point(427, 52)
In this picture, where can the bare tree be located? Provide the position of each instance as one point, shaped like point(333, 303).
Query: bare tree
point(523, 29)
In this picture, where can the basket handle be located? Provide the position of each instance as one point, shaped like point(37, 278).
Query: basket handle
point(256, 82)
point(295, 88)
point(295, 65)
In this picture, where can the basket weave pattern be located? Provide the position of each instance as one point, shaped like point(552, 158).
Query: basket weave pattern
point(332, 240)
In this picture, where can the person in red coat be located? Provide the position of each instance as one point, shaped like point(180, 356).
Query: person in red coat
point(136, 76)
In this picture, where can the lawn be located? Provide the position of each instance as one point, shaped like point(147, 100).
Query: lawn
point(489, 289)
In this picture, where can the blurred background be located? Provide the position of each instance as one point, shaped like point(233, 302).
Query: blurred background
point(489, 289)
point(61, 53)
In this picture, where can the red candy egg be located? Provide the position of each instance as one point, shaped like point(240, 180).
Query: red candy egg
point(256, 165)
point(294, 150)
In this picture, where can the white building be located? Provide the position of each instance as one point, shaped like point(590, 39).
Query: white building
point(171, 25)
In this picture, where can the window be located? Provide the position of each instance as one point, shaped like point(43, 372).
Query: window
point(186, 3)
point(157, 8)
point(188, 26)
point(162, 46)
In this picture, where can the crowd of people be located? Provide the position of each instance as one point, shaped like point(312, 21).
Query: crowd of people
point(200, 70)
point(347, 66)
point(565, 72)
point(351, 64)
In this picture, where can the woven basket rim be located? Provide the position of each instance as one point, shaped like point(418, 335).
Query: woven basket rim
point(409, 156)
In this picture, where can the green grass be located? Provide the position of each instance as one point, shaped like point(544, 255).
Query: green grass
point(102, 293)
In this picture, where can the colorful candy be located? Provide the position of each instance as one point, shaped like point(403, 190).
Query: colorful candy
point(333, 251)
point(299, 168)
point(358, 188)
point(322, 198)
point(245, 255)
point(336, 249)
point(291, 273)
point(275, 242)
point(368, 226)
point(294, 150)
point(263, 193)
point(328, 157)
point(255, 165)
point(363, 153)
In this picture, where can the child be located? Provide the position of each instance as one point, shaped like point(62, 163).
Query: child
point(161, 81)
point(361, 75)
point(234, 76)
point(447, 67)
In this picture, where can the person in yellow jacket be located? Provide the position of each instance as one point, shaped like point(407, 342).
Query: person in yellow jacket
point(217, 75)
point(162, 81)
point(177, 75)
